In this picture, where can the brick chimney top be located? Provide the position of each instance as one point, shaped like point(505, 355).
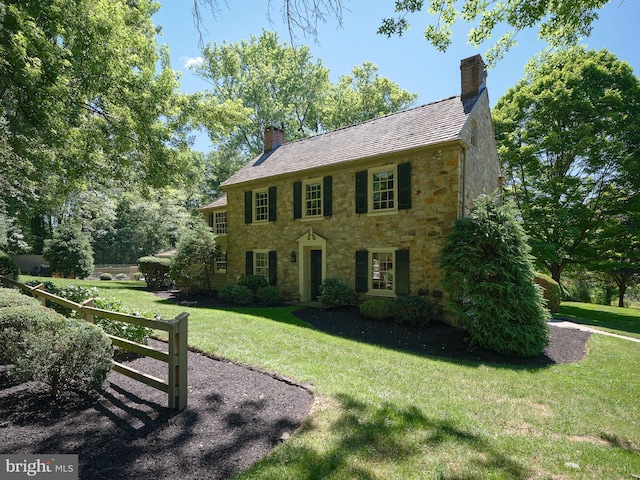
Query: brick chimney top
point(473, 76)
point(273, 137)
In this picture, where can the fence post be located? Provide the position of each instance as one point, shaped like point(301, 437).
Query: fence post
point(34, 292)
point(87, 316)
point(178, 362)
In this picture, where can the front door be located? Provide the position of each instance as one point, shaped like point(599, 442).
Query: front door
point(316, 273)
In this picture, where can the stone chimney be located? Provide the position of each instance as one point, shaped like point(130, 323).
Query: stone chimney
point(273, 137)
point(473, 76)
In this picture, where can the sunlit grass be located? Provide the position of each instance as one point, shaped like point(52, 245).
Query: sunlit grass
point(388, 414)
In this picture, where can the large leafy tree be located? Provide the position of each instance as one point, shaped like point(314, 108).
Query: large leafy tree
point(69, 252)
point(87, 98)
point(617, 247)
point(361, 96)
point(559, 22)
point(142, 227)
point(567, 139)
point(283, 86)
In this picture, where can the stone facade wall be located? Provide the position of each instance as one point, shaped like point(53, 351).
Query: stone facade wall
point(421, 229)
point(444, 181)
point(482, 166)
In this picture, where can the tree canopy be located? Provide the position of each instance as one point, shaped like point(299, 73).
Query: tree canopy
point(559, 22)
point(567, 139)
point(87, 98)
point(284, 86)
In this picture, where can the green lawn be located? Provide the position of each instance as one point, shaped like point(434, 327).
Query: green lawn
point(387, 414)
point(623, 321)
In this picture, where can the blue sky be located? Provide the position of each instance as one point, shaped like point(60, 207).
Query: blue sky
point(409, 60)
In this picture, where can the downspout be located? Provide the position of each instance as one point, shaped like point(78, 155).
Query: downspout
point(463, 184)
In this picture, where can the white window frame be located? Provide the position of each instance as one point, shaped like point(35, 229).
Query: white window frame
point(221, 263)
point(371, 193)
point(260, 269)
point(474, 133)
point(371, 271)
point(264, 209)
point(305, 184)
point(220, 227)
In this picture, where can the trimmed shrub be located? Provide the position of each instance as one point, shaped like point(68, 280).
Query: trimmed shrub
point(137, 276)
point(225, 292)
point(551, 291)
point(7, 266)
point(155, 271)
point(376, 309)
point(241, 295)
point(65, 354)
point(488, 272)
point(15, 321)
point(106, 276)
point(74, 293)
point(269, 296)
point(412, 310)
point(78, 294)
point(192, 268)
point(336, 293)
point(121, 276)
point(128, 331)
point(14, 298)
point(254, 283)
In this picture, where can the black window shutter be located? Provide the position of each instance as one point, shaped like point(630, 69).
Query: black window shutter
point(272, 267)
point(248, 207)
point(272, 204)
point(297, 199)
point(404, 186)
point(362, 271)
point(211, 219)
point(248, 255)
point(402, 272)
point(327, 194)
point(361, 192)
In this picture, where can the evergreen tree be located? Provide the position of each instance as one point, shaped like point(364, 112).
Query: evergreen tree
point(488, 271)
point(69, 252)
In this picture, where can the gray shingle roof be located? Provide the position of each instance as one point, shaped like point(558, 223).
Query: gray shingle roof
point(421, 126)
point(218, 202)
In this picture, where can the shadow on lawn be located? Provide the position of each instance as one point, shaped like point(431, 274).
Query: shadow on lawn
point(440, 340)
point(388, 434)
point(437, 340)
point(597, 318)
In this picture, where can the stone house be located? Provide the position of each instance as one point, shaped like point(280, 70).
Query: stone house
point(370, 203)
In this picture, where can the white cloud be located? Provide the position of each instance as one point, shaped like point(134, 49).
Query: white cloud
point(191, 62)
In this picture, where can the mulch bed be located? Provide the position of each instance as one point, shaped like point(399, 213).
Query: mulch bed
point(440, 340)
point(235, 414)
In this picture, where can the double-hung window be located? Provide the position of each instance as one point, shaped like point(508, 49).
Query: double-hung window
point(220, 223)
point(312, 198)
point(261, 205)
point(382, 271)
point(383, 189)
point(261, 262)
point(221, 263)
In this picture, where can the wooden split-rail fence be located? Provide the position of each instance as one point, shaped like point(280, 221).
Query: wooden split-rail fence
point(176, 357)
